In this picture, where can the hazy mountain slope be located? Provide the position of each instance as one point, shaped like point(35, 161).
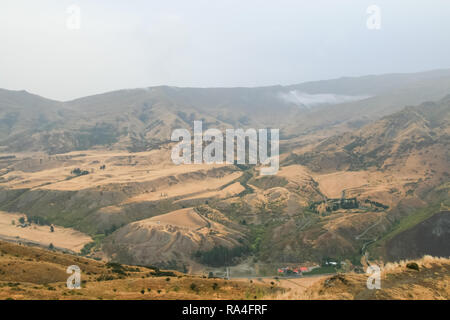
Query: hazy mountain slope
point(382, 143)
point(371, 84)
point(141, 119)
point(23, 114)
point(327, 120)
point(399, 164)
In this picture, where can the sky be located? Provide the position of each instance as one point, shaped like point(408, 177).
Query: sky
point(68, 49)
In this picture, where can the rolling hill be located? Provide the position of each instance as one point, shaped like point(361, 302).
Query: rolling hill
point(28, 273)
point(360, 172)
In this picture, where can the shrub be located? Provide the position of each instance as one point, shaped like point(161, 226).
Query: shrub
point(163, 274)
point(116, 268)
point(39, 221)
point(79, 172)
point(87, 248)
point(105, 277)
point(413, 266)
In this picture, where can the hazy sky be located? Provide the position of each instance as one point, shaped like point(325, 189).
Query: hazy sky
point(127, 44)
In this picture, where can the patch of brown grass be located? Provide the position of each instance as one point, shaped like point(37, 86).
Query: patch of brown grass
point(431, 282)
point(32, 273)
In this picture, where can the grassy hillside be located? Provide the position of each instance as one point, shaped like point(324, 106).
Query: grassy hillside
point(31, 273)
point(399, 281)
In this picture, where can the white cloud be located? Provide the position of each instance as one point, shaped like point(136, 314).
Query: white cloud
point(311, 100)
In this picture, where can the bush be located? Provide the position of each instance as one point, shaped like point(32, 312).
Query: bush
point(79, 172)
point(413, 266)
point(39, 221)
point(116, 267)
point(163, 274)
point(87, 248)
point(105, 277)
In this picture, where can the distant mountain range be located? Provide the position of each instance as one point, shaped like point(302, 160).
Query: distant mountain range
point(141, 119)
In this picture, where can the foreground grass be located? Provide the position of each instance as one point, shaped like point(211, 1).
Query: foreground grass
point(32, 273)
point(399, 281)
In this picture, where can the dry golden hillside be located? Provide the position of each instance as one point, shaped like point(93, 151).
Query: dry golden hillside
point(335, 198)
point(399, 281)
point(32, 273)
point(173, 236)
